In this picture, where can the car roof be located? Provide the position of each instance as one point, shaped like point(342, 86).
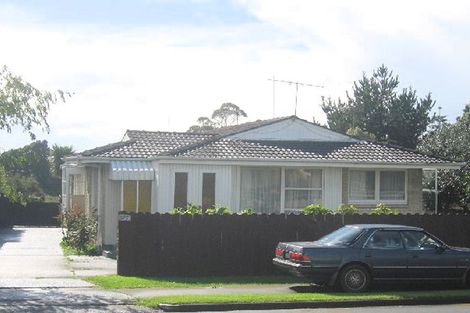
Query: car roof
point(385, 226)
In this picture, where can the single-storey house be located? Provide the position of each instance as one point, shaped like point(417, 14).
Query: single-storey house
point(271, 166)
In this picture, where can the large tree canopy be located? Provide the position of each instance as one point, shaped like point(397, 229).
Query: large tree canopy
point(228, 114)
point(33, 171)
point(451, 141)
point(377, 108)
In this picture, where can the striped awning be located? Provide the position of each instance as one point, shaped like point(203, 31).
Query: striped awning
point(132, 170)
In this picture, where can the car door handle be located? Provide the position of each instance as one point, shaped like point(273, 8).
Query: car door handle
point(415, 256)
point(368, 256)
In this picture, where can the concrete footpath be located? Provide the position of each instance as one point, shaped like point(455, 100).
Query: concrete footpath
point(153, 292)
point(36, 277)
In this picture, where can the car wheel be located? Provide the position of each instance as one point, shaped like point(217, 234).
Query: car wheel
point(354, 278)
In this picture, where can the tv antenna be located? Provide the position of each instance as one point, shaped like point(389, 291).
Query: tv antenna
point(296, 83)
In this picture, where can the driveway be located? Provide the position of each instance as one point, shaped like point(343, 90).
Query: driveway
point(36, 277)
point(32, 253)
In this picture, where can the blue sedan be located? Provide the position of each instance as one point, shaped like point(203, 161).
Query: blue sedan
point(355, 255)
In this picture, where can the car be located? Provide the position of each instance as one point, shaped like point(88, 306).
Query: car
point(355, 255)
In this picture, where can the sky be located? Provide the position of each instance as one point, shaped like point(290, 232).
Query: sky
point(161, 64)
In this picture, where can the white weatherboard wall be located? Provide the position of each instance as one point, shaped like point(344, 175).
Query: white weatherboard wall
point(112, 204)
point(292, 130)
point(166, 184)
point(333, 191)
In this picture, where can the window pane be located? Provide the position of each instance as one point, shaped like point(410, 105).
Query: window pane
point(130, 195)
point(78, 184)
point(208, 190)
point(303, 178)
point(416, 240)
point(260, 189)
point(298, 199)
point(385, 240)
point(77, 187)
point(145, 195)
point(181, 190)
point(362, 185)
point(392, 185)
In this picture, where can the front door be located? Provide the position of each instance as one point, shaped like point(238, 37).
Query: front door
point(386, 255)
point(427, 259)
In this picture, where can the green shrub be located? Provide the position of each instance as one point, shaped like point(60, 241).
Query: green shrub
point(79, 231)
point(316, 209)
point(247, 212)
point(218, 210)
point(347, 209)
point(385, 210)
point(192, 209)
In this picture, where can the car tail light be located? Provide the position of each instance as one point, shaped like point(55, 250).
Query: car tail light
point(299, 257)
point(279, 252)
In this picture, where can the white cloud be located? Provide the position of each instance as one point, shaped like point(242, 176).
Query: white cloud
point(162, 78)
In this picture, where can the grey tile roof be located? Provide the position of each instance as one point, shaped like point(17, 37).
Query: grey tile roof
point(146, 144)
point(366, 152)
point(215, 146)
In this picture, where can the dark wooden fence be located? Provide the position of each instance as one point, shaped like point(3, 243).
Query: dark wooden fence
point(175, 245)
point(33, 214)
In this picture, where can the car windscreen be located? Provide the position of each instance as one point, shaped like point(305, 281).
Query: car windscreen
point(343, 236)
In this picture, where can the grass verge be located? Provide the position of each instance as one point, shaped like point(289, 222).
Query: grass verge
point(153, 302)
point(70, 250)
point(117, 282)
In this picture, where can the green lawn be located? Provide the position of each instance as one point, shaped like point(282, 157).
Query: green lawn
point(298, 297)
point(117, 282)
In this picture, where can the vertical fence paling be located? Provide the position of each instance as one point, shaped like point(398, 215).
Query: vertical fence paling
point(175, 245)
point(33, 214)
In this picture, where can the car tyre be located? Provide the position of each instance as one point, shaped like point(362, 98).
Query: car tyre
point(354, 278)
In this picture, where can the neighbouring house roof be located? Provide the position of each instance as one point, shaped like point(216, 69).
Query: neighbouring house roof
point(216, 145)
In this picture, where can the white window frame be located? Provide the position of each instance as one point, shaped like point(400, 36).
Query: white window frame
point(284, 188)
point(377, 188)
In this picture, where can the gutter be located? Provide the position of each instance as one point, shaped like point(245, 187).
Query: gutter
point(304, 162)
point(270, 162)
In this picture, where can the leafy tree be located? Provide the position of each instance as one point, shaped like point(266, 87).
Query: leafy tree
point(228, 114)
point(31, 160)
point(204, 125)
point(27, 172)
point(378, 108)
point(357, 132)
point(451, 141)
point(22, 104)
point(57, 154)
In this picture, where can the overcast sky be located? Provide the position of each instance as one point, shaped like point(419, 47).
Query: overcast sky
point(160, 64)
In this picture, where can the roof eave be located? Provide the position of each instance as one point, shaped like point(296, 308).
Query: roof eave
point(94, 159)
point(336, 163)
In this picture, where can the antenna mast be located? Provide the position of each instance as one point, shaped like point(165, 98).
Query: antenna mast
point(297, 84)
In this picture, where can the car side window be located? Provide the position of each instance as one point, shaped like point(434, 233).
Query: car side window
point(418, 240)
point(385, 239)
